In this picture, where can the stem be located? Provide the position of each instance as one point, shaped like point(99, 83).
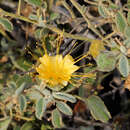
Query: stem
point(23, 118)
point(57, 30)
point(79, 8)
point(69, 9)
point(19, 7)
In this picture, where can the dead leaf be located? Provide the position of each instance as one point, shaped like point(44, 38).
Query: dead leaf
point(127, 83)
point(4, 59)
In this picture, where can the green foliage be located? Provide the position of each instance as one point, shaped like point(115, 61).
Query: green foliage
point(63, 107)
point(102, 11)
point(40, 108)
point(24, 98)
point(120, 22)
point(64, 96)
point(7, 25)
point(5, 123)
point(98, 109)
point(56, 119)
point(27, 126)
point(22, 103)
point(124, 66)
point(106, 62)
point(35, 2)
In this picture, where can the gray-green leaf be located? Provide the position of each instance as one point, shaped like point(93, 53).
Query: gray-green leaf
point(4, 124)
point(127, 43)
point(120, 22)
point(40, 108)
point(98, 109)
point(20, 89)
point(128, 17)
point(22, 103)
point(127, 31)
point(124, 66)
point(57, 119)
point(54, 16)
point(6, 24)
point(64, 96)
point(64, 108)
point(102, 11)
point(27, 126)
point(35, 2)
point(106, 62)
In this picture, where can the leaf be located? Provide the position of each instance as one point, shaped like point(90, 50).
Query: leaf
point(23, 64)
point(127, 31)
point(123, 49)
point(64, 108)
point(33, 17)
point(38, 33)
point(102, 11)
point(87, 128)
point(57, 119)
point(64, 96)
point(22, 103)
point(124, 66)
point(35, 2)
point(128, 17)
point(95, 48)
point(113, 6)
point(98, 109)
point(34, 95)
point(24, 79)
point(106, 62)
point(20, 89)
point(7, 25)
point(27, 126)
point(127, 43)
point(4, 124)
point(120, 22)
point(17, 127)
point(40, 108)
point(54, 16)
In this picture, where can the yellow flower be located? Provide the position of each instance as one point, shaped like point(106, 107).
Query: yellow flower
point(56, 70)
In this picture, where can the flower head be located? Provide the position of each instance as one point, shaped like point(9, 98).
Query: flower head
point(56, 70)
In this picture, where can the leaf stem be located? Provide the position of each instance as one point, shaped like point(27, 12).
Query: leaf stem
point(51, 27)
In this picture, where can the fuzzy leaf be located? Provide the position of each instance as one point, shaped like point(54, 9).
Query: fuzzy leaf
point(127, 31)
point(34, 95)
point(57, 119)
point(120, 22)
point(27, 126)
point(35, 2)
point(102, 11)
point(4, 124)
point(123, 49)
point(128, 17)
point(64, 96)
point(127, 43)
point(124, 66)
point(64, 108)
point(54, 16)
point(40, 108)
point(22, 103)
point(6, 24)
point(20, 89)
point(106, 62)
point(98, 109)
